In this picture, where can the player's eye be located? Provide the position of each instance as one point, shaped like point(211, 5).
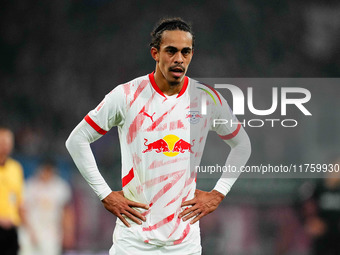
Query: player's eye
point(186, 52)
point(171, 51)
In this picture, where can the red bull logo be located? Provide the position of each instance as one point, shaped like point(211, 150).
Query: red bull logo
point(159, 146)
point(182, 146)
point(169, 145)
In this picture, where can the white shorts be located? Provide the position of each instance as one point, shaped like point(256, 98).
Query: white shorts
point(126, 242)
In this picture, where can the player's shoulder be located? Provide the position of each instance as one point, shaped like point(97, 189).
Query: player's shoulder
point(197, 84)
point(200, 88)
point(14, 164)
point(133, 84)
point(31, 182)
point(64, 187)
point(61, 183)
point(193, 82)
point(126, 92)
point(15, 169)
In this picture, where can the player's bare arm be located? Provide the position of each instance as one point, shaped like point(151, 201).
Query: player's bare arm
point(202, 204)
point(118, 205)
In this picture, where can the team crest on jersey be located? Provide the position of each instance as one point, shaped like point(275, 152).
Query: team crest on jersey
point(194, 117)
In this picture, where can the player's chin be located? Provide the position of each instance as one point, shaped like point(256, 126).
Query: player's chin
point(175, 81)
point(177, 78)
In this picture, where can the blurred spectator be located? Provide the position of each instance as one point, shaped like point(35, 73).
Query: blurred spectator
point(321, 213)
point(49, 211)
point(11, 186)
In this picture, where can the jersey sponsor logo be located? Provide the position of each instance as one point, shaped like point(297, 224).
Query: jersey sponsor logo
point(158, 146)
point(182, 146)
point(193, 117)
point(170, 145)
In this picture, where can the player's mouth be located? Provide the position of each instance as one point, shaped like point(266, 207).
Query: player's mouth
point(177, 71)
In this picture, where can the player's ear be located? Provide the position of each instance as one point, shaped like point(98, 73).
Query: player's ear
point(154, 54)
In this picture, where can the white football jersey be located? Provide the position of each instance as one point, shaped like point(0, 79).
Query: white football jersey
point(162, 138)
point(45, 202)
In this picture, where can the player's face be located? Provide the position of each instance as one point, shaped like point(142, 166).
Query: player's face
point(46, 172)
point(174, 56)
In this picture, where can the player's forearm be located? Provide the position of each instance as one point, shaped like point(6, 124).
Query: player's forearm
point(78, 145)
point(238, 157)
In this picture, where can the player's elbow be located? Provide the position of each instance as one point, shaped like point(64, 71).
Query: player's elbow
point(71, 142)
point(244, 145)
point(68, 143)
point(247, 146)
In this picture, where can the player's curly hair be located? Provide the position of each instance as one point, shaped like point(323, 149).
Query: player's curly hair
point(169, 24)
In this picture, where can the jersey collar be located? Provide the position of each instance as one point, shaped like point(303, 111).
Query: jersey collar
point(154, 85)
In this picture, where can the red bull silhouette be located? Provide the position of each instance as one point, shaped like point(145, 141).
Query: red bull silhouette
point(159, 146)
point(182, 146)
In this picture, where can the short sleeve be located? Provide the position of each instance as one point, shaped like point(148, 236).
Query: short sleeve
point(109, 113)
point(225, 122)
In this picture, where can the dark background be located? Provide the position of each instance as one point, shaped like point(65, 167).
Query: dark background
point(59, 59)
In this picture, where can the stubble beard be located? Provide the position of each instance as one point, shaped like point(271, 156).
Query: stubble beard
point(174, 83)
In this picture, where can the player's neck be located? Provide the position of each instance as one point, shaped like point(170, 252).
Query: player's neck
point(165, 87)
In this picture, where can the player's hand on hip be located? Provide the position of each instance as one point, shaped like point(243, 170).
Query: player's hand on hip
point(202, 204)
point(118, 205)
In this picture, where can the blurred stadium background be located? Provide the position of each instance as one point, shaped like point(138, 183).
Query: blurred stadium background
point(59, 58)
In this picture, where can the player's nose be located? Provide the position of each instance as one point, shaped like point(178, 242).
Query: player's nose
point(178, 58)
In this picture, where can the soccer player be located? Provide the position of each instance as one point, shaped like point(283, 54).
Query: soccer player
point(320, 211)
point(162, 132)
point(49, 212)
point(11, 186)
